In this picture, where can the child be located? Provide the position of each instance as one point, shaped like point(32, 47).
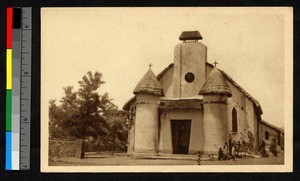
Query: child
point(221, 154)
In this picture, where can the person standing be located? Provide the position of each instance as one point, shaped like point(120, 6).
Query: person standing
point(230, 146)
point(221, 155)
point(226, 149)
point(233, 152)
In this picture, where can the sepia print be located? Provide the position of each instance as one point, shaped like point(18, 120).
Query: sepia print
point(166, 89)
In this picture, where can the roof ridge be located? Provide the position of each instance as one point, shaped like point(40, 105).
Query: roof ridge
point(163, 72)
point(243, 91)
point(271, 125)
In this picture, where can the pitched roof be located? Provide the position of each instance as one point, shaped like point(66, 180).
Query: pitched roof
point(271, 126)
point(162, 73)
point(149, 84)
point(126, 106)
point(244, 92)
point(256, 103)
point(181, 104)
point(215, 84)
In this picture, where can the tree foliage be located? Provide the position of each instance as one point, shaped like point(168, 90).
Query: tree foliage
point(85, 114)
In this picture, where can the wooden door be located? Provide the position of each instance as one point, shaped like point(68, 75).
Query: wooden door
point(181, 130)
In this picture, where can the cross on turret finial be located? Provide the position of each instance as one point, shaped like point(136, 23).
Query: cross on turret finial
point(150, 65)
point(215, 63)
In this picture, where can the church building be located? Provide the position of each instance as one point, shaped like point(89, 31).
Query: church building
point(193, 106)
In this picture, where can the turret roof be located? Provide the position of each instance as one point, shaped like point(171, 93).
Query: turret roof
point(215, 84)
point(149, 84)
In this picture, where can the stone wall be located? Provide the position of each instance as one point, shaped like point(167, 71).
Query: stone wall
point(282, 141)
point(59, 149)
point(273, 134)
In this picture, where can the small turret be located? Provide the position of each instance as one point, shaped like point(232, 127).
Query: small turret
point(215, 92)
point(189, 65)
point(148, 93)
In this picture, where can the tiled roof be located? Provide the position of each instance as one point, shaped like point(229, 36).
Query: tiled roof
point(149, 84)
point(215, 84)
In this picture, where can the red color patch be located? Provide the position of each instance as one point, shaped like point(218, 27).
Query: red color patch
point(9, 17)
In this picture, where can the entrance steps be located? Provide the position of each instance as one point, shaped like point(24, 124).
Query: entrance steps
point(184, 157)
point(173, 157)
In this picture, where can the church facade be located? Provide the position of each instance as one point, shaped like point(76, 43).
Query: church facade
point(193, 106)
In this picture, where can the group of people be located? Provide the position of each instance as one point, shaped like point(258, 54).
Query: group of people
point(228, 151)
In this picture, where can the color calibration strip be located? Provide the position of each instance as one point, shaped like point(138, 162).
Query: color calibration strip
point(18, 83)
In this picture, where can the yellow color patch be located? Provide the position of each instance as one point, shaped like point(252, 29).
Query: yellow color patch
point(9, 69)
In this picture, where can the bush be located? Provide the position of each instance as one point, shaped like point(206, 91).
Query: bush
point(273, 147)
point(59, 149)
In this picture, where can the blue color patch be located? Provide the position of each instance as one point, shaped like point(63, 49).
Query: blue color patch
point(8, 154)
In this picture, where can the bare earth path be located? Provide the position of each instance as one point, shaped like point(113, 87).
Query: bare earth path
point(122, 159)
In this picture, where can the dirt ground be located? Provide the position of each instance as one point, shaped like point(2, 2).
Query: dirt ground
point(93, 159)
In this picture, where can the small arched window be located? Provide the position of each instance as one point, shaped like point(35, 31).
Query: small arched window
point(266, 135)
point(234, 121)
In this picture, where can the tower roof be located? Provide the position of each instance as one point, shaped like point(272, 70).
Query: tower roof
point(149, 84)
point(190, 35)
point(215, 84)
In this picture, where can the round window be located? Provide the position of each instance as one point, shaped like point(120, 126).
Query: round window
point(189, 77)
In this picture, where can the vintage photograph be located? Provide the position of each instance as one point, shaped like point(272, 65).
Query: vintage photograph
point(166, 89)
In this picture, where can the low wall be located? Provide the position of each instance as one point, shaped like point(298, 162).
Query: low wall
point(62, 149)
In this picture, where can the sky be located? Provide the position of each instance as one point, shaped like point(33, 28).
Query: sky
point(121, 42)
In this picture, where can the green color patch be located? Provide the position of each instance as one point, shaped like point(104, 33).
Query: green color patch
point(8, 110)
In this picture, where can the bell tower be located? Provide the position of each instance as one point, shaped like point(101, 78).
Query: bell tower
point(189, 65)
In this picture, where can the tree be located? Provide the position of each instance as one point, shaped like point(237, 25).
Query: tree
point(84, 114)
point(79, 113)
point(54, 117)
point(117, 129)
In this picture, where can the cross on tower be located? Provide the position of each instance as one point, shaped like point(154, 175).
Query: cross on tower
point(150, 65)
point(215, 63)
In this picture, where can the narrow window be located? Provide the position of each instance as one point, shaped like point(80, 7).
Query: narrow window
point(234, 121)
point(266, 135)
